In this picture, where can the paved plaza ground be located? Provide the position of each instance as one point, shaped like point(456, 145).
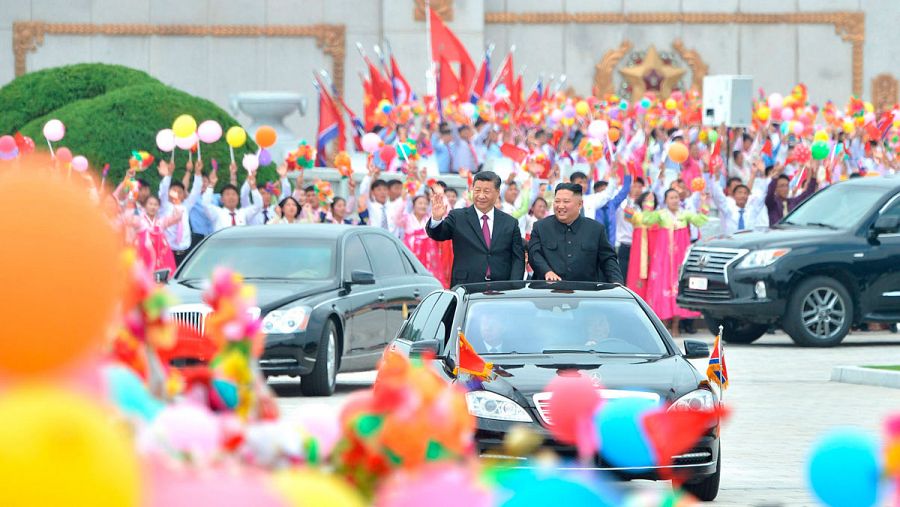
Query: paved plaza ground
point(782, 400)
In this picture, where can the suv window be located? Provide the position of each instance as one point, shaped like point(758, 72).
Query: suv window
point(440, 323)
point(894, 210)
point(355, 257)
point(385, 256)
point(413, 330)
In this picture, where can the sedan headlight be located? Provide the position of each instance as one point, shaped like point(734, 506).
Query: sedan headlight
point(490, 405)
point(701, 399)
point(290, 320)
point(762, 258)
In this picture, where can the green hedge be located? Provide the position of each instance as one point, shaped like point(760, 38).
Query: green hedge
point(105, 126)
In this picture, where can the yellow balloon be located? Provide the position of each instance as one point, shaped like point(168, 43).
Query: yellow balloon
point(848, 126)
point(59, 448)
point(236, 137)
point(310, 488)
point(184, 126)
point(869, 107)
point(763, 113)
point(896, 124)
point(582, 108)
point(671, 104)
point(821, 136)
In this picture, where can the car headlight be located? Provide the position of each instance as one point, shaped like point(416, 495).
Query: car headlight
point(490, 405)
point(701, 399)
point(762, 258)
point(285, 321)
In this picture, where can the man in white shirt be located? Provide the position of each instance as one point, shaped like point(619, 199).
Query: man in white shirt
point(268, 203)
point(624, 228)
point(172, 199)
point(742, 211)
point(229, 215)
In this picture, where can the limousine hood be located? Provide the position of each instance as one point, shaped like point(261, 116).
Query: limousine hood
point(269, 294)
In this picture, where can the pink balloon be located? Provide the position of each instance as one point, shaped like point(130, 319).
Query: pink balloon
point(322, 422)
point(7, 144)
point(869, 117)
point(165, 140)
point(173, 487)
point(556, 115)
point(186, 143)
point(371, 142)
point(573, 401)
point(250, 162)
point(598, 129)
point(787, 114)
point(54, 130)
point(775, 101)
point(80, 164)
point(209, 131)
point(429, 486)
point(799, 127)
point(64, 155)
point(188, 428)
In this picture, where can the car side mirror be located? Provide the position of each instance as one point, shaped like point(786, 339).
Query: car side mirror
point(695, 349)
point(420, 348)
point(161, 276)
point(886, 225)
point(360, 277)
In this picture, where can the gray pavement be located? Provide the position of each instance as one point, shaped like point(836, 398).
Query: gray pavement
point(781, 400)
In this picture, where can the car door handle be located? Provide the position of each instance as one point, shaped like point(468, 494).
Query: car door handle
point(381, 298)
point(416, 293)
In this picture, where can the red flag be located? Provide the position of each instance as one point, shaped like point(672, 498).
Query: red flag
point(331, 125)
point(533, 104)
point(480, 84)
point(675, 432)
point(445, 44)
point(514, 152)
point(448, 83)
point(516, 94)
point(369, 104)
point(402, 91)
point(506, 74)
point(767, 148)
point(470, 362)
point(381, 86)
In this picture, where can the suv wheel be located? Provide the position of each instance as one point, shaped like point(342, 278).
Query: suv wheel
point(735, 331)
point(707, 489)
point(321, 381)
point(819, 313)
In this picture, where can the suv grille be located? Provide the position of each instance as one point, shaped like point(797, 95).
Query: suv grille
point(711, 261)
point(192, 316)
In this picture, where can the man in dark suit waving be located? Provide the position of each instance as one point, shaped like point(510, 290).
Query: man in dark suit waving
point(568, 246)
point(487, 244)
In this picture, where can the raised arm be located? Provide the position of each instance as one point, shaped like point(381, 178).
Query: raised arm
point(196, 191)
point(441, 225)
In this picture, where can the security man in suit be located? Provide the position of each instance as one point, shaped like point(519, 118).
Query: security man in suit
point(487, 244)
point(568, 246)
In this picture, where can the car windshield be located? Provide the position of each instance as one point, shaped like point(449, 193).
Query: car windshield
point(837, 207)
point(562, 325)
point(263, 258)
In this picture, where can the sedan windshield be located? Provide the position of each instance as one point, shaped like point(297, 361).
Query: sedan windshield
point(263, 258)
point(837, 207)
point(562, 325)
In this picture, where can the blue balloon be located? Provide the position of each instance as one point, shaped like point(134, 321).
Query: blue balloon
point(130, 394)
point(555, 490)
point(623, 440)
point(844, 469)
point(227, 391)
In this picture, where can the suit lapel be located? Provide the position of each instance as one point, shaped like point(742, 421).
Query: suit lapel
point(476, 225)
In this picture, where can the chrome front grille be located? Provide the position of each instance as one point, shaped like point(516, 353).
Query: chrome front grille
point(193, 316)
point(542, 400)
point(712, 261)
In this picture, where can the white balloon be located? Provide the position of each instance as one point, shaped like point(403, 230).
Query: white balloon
point(250, 162)
point(598, 129)
point(186, 143)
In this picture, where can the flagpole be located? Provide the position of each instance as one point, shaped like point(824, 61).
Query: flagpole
point(512, 50)
point(390, 69)
point(721, 362)
point(430, 71)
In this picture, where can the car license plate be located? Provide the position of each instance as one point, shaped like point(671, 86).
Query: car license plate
point(698, 283)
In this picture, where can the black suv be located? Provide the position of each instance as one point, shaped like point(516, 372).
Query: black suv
point(832, 263)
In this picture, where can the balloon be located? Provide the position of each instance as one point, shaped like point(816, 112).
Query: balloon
point(598, 129)
point(524, 488)
point(819, 150)
point(573, 400)
point(556, 115)
point(645, 103)
point(78, 324)
point(775, 100)
point(624, 441)
point(678, 152)
point(798, 128)
point(671, 104)
point(186, 143)
point(92, 459)
point(265, 158)
point(582, 108)
point(64, 155)
point(844, 469)
point(9, 155)
point(868, 107)
point(613, 134)
point(787, 114)
point(415, 488)
point(371, 142)
point(712, 137)
point(802, 153)
point(236, 137)
point(79, 164)
point(187, 428)
point(25, 144)
point(165, 140)
point(250, 162)
point(54, 130)
point(308, 488)
point(785, 128)
point(129, 393)
point(821, 135)
point(869, 117)
point(209, 131)
point(214, 486)
point(266, 136)
point(763, 113)
point(184, 126)
point(467, 109)
point(387, 153)
point(7, 144)
point(569, 111)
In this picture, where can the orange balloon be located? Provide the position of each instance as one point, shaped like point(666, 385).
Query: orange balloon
point(613, 134)
point(62, 275)
point(678, 152)
point(265, 136)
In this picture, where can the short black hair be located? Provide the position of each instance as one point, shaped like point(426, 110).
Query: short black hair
point(177, 184)
point(745, 187)
point(379, 183)
point(638, 180)
point(643, 198)
point(337, 200)
point(442, 184)
point(153, 196)
point(733, 179)
point(854, 176)
point(229, 186)
point(575, 188)
point(143, 183)
point(395, 182)
point(487, 176)
point(783, 177)
point(512, 184)
point(451, 190)
point(599, 185)
point(310, 188)
point(577, 174)
point(666, 194)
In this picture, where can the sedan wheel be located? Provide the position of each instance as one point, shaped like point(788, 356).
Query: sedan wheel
point(819, 313)
point(321, 381)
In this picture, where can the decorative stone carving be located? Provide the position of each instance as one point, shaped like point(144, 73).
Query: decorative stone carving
point(652, 74)
point(443, 8)
point(699, 68)
point(884, 91)
point(603, 73)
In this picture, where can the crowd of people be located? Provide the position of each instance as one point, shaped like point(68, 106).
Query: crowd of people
point(650, 203)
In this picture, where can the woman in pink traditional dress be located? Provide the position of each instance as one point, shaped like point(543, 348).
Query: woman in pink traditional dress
point(644, 219)
point(416, 239)
point(151, 243)
point(670, 242)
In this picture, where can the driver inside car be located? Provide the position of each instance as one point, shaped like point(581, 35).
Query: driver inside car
point(490, 339)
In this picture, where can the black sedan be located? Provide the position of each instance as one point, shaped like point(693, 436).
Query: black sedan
point(534, 331)
point(330, 295)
